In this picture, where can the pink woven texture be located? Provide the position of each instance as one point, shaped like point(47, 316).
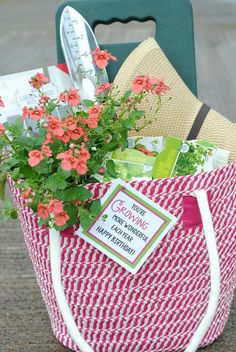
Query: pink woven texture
point(160, 307)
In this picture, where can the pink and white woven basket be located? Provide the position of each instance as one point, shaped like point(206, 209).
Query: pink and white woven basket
point(160, 307)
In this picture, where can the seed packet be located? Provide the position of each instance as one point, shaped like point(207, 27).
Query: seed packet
point(180, 158)
point(128, 171)
point(134, 156)
point(132, 163)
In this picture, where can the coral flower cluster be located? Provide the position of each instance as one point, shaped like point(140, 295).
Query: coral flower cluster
point(65, 144)
point(149, 84)
point(75, 159)
point(55, 207)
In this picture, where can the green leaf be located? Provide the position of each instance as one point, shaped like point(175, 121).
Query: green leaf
point(27, 171)
point(72, 212)
point(51, 106)
point(127, 94)
point(34, 206)
point(99, 129)
point(43, 168)
point(95, 207)
point(113, 145)
point(85, 220)
point(22, 185)
point(137, 114)
point(82, 113)
point(55, 182)
point(12, 162)
point(3, 141)
point(23, 141)
point(64, 173)
point(87, 102)
point(111, 168)
point(129, 123)
point(50, 161)
point(74, 193)
point(42, 222)
point(22, 155)
point(13, 214)
point(7, 211)
point(123, 139)
point(15, 174)
point(2, 186)
point(83, 193)
point(116, 103)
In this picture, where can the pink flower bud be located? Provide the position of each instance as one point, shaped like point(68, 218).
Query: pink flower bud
point(101, 170)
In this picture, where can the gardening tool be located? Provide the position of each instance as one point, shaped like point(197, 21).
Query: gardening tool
point(77, 41)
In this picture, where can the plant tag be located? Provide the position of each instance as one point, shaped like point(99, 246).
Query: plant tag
point(129, 227)
point(16, 91)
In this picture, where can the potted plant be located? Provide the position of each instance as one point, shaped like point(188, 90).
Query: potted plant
point(56, 159)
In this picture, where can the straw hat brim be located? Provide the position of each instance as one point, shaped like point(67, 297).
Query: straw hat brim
point(177, 115)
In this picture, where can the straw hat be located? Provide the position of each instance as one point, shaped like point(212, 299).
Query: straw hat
point(183, 115)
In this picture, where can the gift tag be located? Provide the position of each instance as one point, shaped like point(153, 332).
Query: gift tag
point(129, 227)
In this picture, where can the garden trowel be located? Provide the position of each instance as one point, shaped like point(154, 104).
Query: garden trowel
point(77, 41)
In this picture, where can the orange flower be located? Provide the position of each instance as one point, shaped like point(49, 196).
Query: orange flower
point(156, 86)
point(64, 138)
point(38, 80)
point(55, 126)
point(161, 88)
point(36, 113)
point(43, 211)
point(101, 57)
point(71, 97)
point(81, 167)
point(71, 123)
point(92, 122)
point(56, 206)
point(64, 155)
point(77, 133)
point(153, 80)
point(61, 218)
point(35, 157)
point(46, 150)
point(69, 163)
point(139, 84)
point(94, 111)
point(103, 88)
point(48, 139)
point(84, 153)
point(43, 100)
point(2, 103)
point(2, 129)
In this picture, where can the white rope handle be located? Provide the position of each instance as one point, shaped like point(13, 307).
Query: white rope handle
point(55, 260)
point(214, 271)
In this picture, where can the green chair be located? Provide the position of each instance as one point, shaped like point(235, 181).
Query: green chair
point(174, 23)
